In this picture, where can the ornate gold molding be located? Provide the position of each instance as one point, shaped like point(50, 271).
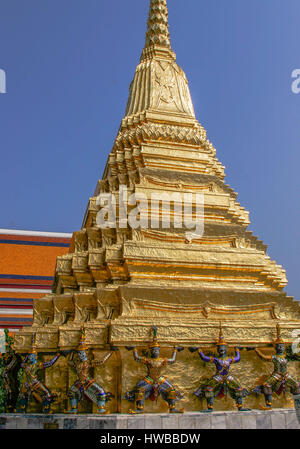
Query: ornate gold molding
point(136, 307)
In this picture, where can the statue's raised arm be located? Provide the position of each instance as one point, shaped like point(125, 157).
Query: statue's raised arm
point(105, 358)
point(173, 358)
point(136, 355)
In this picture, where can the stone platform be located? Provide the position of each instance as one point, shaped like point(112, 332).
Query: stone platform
point(255, 419)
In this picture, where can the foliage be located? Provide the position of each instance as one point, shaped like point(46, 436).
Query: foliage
point(2, 389)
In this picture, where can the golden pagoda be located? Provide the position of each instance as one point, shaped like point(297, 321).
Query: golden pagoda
point(118, 281)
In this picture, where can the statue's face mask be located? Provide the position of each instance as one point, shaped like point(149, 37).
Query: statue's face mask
point(280, 348)
point(155, 352)
point(82, 356)
point(222, 350)
point(32, 358)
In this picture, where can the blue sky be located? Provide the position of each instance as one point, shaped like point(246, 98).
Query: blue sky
point(69, 64)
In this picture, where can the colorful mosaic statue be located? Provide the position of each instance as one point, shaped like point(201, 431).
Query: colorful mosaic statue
point(85, 386)
point(30, 385)
point(10, 364)
point(154, 384)
point(280, 380)
point(222, 382)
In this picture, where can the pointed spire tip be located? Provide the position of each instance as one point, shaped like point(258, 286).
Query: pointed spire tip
point(158, 25)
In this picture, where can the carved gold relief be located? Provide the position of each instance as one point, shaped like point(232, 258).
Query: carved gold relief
point(94, 238)
point(96, 336)
point(64, 309)
point(191, 333)
point(80, 261)
point(85, 307)
point(139, 307)
point(43, 312)
point(81, 241)
point(96, 258)
point(64, 264)
point(179, 184)
point(220, 241)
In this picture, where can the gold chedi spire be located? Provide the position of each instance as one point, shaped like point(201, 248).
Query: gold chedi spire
point(157, 44)
point(158, 25)
point(159, 91)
